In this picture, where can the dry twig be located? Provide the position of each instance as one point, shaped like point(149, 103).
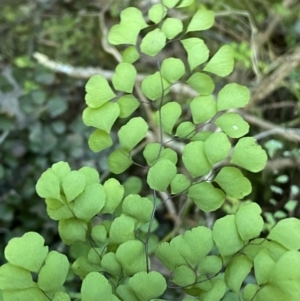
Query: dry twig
point(271, 82)
point(271, 128)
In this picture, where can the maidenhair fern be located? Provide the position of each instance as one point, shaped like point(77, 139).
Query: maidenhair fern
point(112, 252)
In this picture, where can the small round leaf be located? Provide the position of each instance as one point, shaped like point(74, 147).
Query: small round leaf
point(131, 256)
point(73, 185)
point(101, 118)
point(147, 286)
point(233, 182)
point(206, 196)
point(232, 125)
point(222, 62)
point(98, 91)
point(279, 233)
point(185, 130)
point(124, 77)
point(236, 271)
point(128, 104)
point(123, 34)
point(27, 252)
point(72, 230)
point(168, 116)
point(114, 193)
point(179, 183)
point(54, 272)
point(233, 96)
point(130, 55)
point(161, 174)
point(139, 208)
point(195, 159)
point(202, 83)
point(119, 160)
point(202, 20)
point(170, 3)
point(172, 69)
point(249, 221)
point(196, 50)
point(154, 86)
point(226, 236)
point(172, 27)
point(249, 155)
point(217, 147)
point(203, 108)
point(90, 202)
point(132, 133)
point(99, 140)
point(95, 287)
point(153, 42)
point(156, 13)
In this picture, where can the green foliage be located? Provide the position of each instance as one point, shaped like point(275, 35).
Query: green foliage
point(26, 255)
point(109, 226)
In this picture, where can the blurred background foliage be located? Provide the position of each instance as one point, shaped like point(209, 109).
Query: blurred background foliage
point(40, 110)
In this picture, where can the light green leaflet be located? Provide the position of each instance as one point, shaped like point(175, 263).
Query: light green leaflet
point(203, 108)
point(217, 147)
point(249, 221)
point(222, 62)
point(154, 152)
point(195, 159)
point(53, 274)
point(130, 55)
point(132, 21)
point(170, 3)
point(233, 182)
point(161, 174)
point(72, 230)
point(98, 91)
point(122, 229)
point(147, 286)
point(94, 287)
point(153, 42)
point(18, 249)
point(132, 133)
point(127, 104)
point(101, 118)
point(168, 116)
point(202, 83)
point(114, 192)
point(249, 155)
point(263, 266)
point(99, 140)
point(172, 27)
point(237, 270)
point(226, 236)
point(278, 233)
point(131, 256)
point(172, 69)
point(232, 125)
point(154, 86)
point(124, 77)
point(206, 196)
point(179, 183)
point(119, 160)
point(139, 208)
point(157, 12)
point(202, 20)
point(185, 130)
point(233, 96)
point(196, 50)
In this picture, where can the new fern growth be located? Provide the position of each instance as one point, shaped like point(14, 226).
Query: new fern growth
point(194, 149)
